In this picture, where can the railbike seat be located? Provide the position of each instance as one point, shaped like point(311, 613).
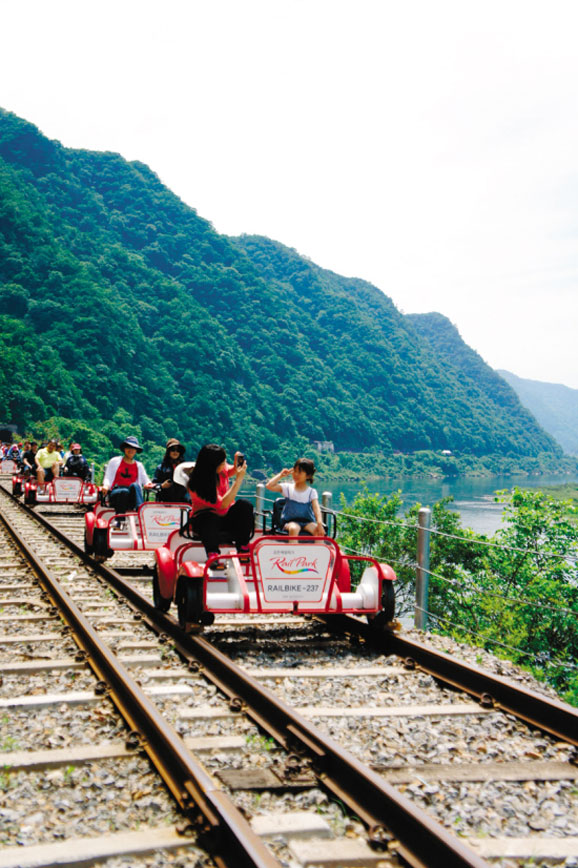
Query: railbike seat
point(276, 528)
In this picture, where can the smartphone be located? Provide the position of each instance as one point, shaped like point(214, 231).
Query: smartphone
point(240, 460)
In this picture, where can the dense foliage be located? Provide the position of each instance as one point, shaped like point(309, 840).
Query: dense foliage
point(122, 310)
point(516, 596)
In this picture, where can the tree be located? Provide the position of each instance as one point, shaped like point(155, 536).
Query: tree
point(515, 594)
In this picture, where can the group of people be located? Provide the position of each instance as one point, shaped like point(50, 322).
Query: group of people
point(48, 461)
point(211, 485)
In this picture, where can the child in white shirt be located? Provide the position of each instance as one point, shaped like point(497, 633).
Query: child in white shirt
point(301, 510)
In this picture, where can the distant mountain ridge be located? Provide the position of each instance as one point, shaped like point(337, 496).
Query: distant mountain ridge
point(554, 405)
point(121, 308)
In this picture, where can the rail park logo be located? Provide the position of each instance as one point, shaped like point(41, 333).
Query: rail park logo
point(165, 522)
point(295, 566)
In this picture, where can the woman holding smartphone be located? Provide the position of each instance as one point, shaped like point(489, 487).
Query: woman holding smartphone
point(215, 512)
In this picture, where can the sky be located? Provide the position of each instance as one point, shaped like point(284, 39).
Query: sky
point(427, 146)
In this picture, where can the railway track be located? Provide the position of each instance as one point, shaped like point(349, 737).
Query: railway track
point(359, 759)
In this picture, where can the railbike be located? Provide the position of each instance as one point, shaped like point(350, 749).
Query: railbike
point(61, 489)
point(8, 466)
point(298, 575)
point(144, 529)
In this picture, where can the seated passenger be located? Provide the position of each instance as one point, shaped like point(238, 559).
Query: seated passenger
point(48, 462)
point(76, 464)
point(14, 452)
point(301, 510)
point(29, 459)
point(125, 478)
point(170, 491)
point(214, 510)
point(68, 453)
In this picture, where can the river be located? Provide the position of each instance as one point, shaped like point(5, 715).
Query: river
point(473, 497)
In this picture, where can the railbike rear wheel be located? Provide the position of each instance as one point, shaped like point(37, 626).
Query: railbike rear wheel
point(161, 603)
point(100, 547)
point(383, 620)
point(388, 601)
point(30, 497)
point(189, 601)
point(88, 548)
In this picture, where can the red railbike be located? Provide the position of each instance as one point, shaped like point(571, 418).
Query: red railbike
point(62, 489)
point(302, 575)
point(142, 530)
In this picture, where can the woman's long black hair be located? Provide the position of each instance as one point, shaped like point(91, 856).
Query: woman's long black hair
point(203, 478)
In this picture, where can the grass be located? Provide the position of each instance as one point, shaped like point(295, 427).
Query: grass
point(565, 491)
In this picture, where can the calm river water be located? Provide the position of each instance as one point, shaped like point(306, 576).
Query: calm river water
point(473, 498)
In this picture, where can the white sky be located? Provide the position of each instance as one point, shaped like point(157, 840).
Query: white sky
point(428, 146)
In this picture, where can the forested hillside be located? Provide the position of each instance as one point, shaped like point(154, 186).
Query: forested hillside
point(123, 310)
point(475, 375)
point(554, 406)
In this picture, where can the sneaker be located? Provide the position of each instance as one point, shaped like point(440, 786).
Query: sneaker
point(216, 566)
point(244, 556)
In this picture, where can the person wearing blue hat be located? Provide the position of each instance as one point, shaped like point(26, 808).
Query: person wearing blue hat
point(125, 478)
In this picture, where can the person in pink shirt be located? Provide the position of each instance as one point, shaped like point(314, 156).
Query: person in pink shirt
point(215, 512)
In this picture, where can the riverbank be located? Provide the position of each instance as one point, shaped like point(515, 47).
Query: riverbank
point(349, 467)
point(473, 498)
point(565, 491)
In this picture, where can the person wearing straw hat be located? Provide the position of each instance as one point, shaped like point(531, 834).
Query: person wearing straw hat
point(168, 489)
point(125, 478)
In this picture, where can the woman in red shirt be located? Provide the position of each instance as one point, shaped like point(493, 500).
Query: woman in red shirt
point(215, 511)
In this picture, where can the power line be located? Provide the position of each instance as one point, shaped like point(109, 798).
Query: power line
point(516, 600)
point(463, 539)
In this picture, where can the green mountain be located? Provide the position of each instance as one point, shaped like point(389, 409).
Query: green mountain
point(123, 310)
point(555, 407)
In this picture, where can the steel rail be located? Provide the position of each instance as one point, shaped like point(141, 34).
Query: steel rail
point(207, 807)
point(549, 715)
point(378, 804)
point(421, 841)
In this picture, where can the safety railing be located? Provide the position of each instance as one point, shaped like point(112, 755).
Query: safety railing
point(465, 585)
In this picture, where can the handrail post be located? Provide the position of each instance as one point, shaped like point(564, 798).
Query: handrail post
point(260, 499)
point(422, 573)
point(326, 501)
